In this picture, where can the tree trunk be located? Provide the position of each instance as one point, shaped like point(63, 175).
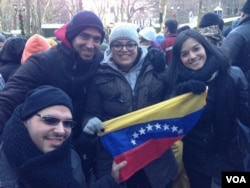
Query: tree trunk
point(27, 18)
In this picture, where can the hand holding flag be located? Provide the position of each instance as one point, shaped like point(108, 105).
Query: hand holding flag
point(142, 136)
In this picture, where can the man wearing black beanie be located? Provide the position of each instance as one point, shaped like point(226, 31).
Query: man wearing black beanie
point(69, 66)
point(237, 44)
point(36, 149)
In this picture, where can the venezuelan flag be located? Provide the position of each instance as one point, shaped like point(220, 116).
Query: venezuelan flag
point(141, 136)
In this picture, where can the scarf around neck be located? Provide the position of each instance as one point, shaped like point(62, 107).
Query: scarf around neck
point(204, 74)
point(37, 169)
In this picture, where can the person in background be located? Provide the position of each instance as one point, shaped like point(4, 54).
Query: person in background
point(70, 66)
point(2, 40)
point(159, 38)
point(211, 28)
point(103, 46)
point(128, 80)
point(207, 148)
point(36, 150)
point(36, 43)
point(237, 43)
point(231, 27)
point(147, 36)
point(170, 30)
point(52, 42)
point(181, 181)
point(183, 28)
point(11, 55)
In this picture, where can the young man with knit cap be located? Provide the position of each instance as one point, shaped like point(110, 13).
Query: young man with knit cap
point(36, 149)
point(127, 81)
point(237, 43)
point(69, 66)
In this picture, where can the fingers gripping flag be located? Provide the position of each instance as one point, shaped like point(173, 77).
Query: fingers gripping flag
point(141, 136)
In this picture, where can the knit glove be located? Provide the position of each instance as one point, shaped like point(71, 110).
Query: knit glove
point(194, 86)
point(157, 59)
point(94, 125)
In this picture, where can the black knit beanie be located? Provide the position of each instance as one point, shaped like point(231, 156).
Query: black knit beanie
point(44, 97)
point(209, 19)
point(246, 7)
point(81, 21)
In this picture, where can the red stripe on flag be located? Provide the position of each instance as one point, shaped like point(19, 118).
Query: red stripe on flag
point(142, 155)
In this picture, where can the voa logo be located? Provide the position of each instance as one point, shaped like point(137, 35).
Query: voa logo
point(236, 179)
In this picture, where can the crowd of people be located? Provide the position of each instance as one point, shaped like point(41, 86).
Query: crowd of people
point(57, 96)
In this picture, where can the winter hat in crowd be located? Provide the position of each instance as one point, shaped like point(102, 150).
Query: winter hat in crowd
point(81, 21)
point(34, 44)
point(44, 97)
point(124, 31)
point(209, 19)
point(13, 50)
point(246, 7)
point(148, 33)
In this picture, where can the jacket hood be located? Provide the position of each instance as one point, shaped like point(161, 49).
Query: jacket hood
point(36, 43)
point(60, 34)
point(12, 50)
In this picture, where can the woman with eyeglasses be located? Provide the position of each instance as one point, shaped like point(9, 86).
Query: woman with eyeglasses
point(128, 79)
point(36, 150)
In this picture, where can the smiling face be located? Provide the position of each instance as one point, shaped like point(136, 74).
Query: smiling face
point(193, 54)
point(49, 137)
point(87, 43)
point(124, 53)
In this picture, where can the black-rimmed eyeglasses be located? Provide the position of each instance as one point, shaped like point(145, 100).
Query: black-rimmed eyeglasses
point(50, 120)
point(119, 46)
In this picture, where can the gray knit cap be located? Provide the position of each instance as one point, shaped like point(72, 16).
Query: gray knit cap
point(124, 31)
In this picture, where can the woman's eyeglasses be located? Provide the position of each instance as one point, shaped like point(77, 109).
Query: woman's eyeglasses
point(50, 120)
point(119, 46)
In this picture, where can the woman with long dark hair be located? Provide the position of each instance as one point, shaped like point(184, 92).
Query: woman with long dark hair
point(207, 148)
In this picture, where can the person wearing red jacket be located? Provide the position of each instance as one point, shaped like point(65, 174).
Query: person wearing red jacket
point(170, 32)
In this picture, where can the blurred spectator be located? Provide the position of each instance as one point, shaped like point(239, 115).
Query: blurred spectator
point(11, 55)
point(52, 42)
point(147, 36)
point(171, 26)
point(159, 38)
point(34, 44)
point(211, 28)
point(2, 40)
point(230, 28)
point(183, 28)
point(237, 43)
point(103, 46)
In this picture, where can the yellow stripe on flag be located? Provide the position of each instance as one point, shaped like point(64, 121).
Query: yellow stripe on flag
point(173, 108)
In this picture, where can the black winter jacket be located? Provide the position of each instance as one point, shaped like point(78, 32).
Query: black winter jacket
point(237, 45)
point(207, 147)
point(111, 95)
point(61, 67)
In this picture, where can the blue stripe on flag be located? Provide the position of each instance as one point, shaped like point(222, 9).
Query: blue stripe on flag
point(120, 141)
